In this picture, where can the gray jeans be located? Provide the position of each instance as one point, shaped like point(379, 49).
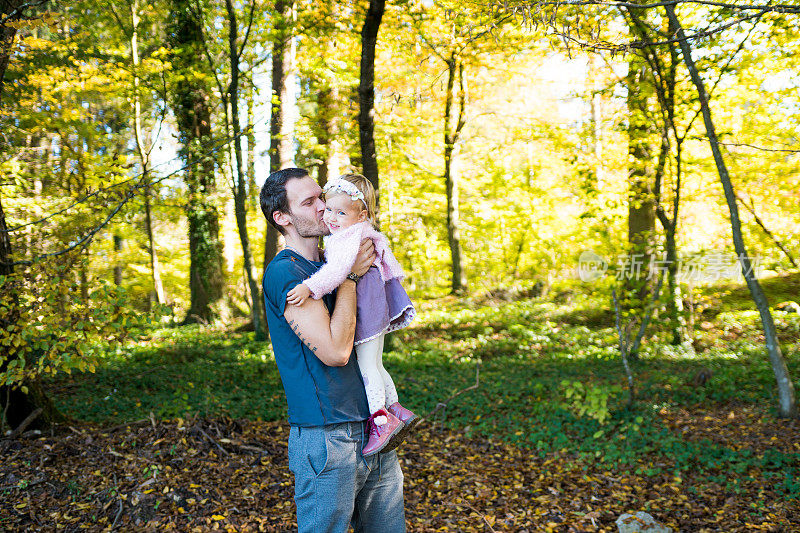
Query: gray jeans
point(335, 486)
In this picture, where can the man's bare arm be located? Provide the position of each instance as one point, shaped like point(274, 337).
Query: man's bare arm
point(330, 337)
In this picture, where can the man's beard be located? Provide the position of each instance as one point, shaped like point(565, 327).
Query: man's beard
point(309, 228)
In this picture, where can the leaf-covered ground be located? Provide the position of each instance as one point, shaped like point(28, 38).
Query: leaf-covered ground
point(701, 450)
point(223, 474)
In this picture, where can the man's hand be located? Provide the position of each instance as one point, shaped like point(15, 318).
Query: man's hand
point(365, 257)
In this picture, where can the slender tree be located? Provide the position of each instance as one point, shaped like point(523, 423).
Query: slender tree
point(455, 43)
point(787, 402)
point(143, 152)
point(15, 404)
point(240, 179)
point(452, 132)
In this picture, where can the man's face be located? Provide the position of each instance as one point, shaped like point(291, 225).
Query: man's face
point(306, 207)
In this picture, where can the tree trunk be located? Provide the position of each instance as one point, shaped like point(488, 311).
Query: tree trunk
point(458, 283)
point(366, 91)
point(144, 156)
point(190, 104)
point(787, 402)
point(281, 150)
point(240, 180)
point(670, 226)
point(83, 273)
point(675, 297)
point(641, 207)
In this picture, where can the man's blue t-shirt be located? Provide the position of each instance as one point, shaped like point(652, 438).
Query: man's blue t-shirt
point(317, 394)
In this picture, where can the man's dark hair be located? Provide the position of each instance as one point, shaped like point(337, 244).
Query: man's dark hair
point(273, 193)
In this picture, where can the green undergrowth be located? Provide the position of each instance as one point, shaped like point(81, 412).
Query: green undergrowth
point(733, 296)
point(546, 380)
point(190, 369)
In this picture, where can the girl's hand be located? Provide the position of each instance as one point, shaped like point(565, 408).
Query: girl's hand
point(298, 295)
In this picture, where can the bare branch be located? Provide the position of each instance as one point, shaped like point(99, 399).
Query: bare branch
point(635, 44)
point(25, 423)
point(778, 8)
point(83, 241)
point(247, 33)
point(762, 148)
point(752, 209)
point(121, 24)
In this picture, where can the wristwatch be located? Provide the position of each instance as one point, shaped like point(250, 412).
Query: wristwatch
point(354, 277)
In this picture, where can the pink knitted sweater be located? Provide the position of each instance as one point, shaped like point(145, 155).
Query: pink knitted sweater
point(341, 249)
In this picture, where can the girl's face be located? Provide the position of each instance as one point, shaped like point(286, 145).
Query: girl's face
point(341, 212)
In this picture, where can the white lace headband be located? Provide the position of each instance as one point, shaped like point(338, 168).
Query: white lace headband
point(345, 187)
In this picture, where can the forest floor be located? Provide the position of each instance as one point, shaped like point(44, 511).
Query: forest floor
point(222, 474)
point(184, 429)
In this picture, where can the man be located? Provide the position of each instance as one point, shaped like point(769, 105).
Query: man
point(335, 486)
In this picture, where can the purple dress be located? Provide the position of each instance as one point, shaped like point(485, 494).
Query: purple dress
point(383, 306)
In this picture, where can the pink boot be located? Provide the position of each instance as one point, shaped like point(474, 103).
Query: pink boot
point(405, 415)
point(382, 426)
point(409, 420)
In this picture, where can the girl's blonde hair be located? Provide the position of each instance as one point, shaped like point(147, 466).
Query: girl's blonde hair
point(370, 196)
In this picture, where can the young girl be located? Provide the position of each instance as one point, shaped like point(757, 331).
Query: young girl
point(382, 304)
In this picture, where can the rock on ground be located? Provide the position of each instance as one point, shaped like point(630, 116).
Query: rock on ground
point(640, 522)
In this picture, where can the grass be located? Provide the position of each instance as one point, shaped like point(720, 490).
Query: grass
point(175, 372)
point(529, 353)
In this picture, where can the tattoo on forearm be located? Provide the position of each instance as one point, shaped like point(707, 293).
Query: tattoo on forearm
point(296, 330)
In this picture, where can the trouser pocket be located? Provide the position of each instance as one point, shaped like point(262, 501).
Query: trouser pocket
point(316, 441)
point(308, 451)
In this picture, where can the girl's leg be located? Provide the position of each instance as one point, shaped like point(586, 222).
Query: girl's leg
point(388, 383)
point(369, 354)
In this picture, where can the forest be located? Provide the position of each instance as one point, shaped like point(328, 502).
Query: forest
point(596, 204)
